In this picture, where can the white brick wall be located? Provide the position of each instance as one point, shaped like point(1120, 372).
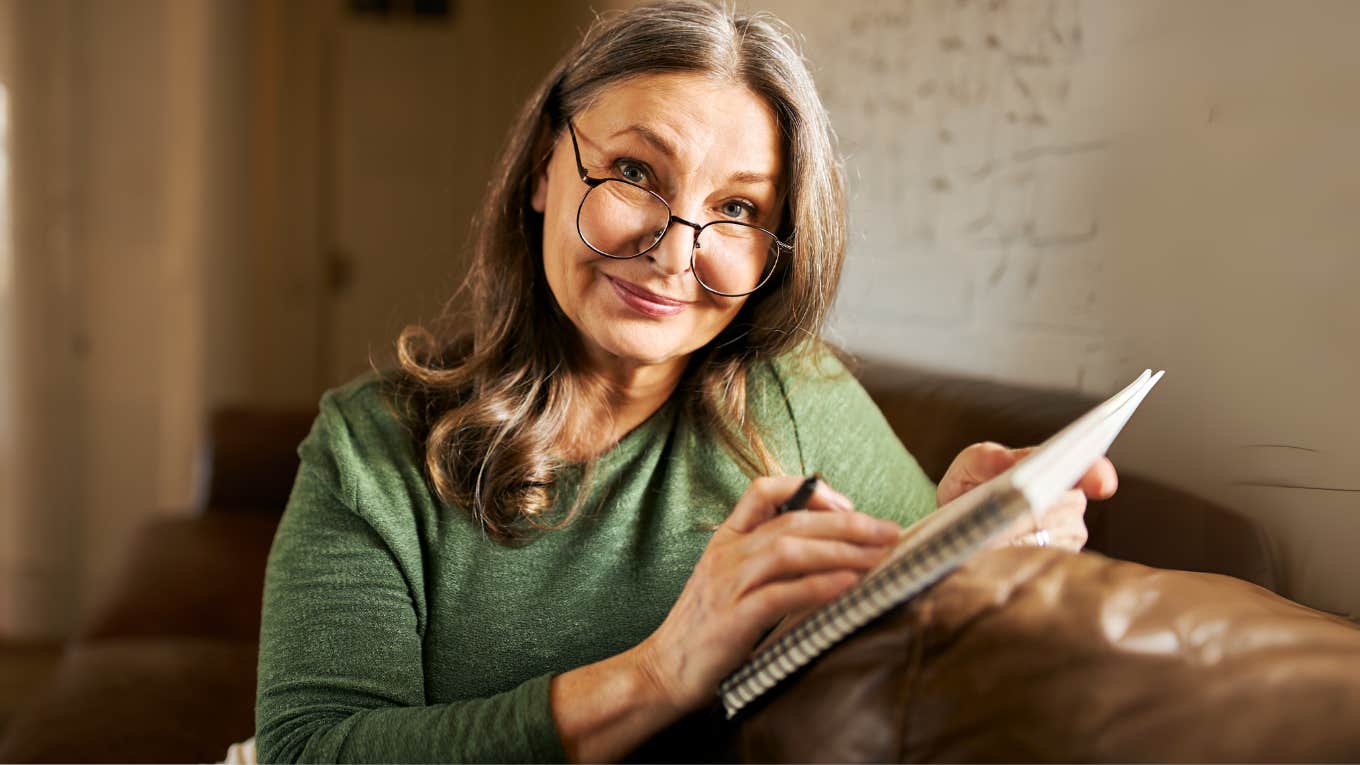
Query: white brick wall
point(1063, 192)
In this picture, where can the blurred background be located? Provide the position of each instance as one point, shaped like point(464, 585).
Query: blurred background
point(214, 202)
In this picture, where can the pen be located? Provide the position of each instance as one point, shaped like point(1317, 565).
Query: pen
point(800, 498)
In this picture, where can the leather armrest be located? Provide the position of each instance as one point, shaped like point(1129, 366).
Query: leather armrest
point(1044, 655)
point(1157, 525)
point(936, 415)
point(139, 700)
point(254, 457)
point(190, 576)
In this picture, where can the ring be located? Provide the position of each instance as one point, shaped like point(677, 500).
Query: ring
point(1041, 537)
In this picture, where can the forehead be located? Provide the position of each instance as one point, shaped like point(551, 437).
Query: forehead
point(713, 125)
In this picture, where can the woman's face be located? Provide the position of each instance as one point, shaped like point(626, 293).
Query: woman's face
point(712, 150)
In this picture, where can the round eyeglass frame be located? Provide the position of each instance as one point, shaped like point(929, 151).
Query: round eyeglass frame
point(594, 183)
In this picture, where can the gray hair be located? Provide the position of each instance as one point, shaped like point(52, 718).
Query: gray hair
point(491, 398)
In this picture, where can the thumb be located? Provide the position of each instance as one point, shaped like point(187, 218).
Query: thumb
point(987, 460)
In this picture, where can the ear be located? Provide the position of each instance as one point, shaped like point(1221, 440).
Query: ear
point(543, 147)
point(539, 199)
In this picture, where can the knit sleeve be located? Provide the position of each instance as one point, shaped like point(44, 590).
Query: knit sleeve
point(842, 434)
point(341, 671)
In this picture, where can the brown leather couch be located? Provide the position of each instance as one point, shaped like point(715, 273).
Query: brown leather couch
point(1044, 655)
point(164, 671)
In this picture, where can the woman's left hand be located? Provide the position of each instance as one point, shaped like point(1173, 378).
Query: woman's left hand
point(1064, 521)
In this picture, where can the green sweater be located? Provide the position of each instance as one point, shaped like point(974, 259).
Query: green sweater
point(395, 631)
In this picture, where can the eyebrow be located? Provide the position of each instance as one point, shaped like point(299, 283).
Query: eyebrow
point(652, 137)
point(746, 176)
point(668, 149)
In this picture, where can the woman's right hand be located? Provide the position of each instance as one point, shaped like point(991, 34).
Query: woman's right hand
point(758, 567)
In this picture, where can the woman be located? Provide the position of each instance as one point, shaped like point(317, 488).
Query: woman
point(552, 534)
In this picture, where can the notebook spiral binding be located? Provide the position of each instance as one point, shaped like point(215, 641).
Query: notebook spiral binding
point(894, 584)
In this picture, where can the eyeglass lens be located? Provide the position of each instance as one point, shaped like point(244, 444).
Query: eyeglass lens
point(621, 220)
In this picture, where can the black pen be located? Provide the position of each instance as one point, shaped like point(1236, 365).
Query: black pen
point(800, 498)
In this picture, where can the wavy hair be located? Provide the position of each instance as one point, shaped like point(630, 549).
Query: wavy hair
point(489, 392)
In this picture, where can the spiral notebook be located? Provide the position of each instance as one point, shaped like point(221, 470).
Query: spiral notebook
point(940, 542)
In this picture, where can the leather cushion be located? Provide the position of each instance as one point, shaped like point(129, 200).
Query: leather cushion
point(140, 700)
point(1033, 654)
point(195, 576)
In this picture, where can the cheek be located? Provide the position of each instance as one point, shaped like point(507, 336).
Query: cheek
point(566, 261)
point(706, 321)
point(720, 311)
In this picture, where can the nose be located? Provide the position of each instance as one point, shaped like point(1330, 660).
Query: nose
point(671, 254)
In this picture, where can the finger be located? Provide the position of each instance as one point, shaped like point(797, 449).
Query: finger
point(765, 605)
point(832, 497)
point(852, 526)
point(765, 494)
point(1101, 481)
point(1069, 533)
point(1074, 538)
point(827, 498)
point(1065, 521)
point(791, 557)
point(1069, 509)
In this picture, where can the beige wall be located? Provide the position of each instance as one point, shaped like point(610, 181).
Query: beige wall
point(374, 141)
point(419, 115)
point(1232, 216)
point(187, 172)
point(126, 277)
point(41, 545)
point(1066, 192)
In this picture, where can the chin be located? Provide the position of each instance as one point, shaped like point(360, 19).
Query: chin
point(639, 345)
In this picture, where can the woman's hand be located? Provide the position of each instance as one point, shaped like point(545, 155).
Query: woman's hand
point(1065, 521)
point(758, 567)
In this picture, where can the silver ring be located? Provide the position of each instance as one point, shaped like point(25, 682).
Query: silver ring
point(1041, 537)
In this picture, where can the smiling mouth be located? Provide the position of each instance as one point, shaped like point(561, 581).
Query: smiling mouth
point(644, 301)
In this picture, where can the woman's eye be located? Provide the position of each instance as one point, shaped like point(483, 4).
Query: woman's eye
point(631, 171)
point(734, 209)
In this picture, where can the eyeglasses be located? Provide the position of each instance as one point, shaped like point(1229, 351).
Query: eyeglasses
point(622, 220)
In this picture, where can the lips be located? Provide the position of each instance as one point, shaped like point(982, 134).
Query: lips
point(645, 301)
